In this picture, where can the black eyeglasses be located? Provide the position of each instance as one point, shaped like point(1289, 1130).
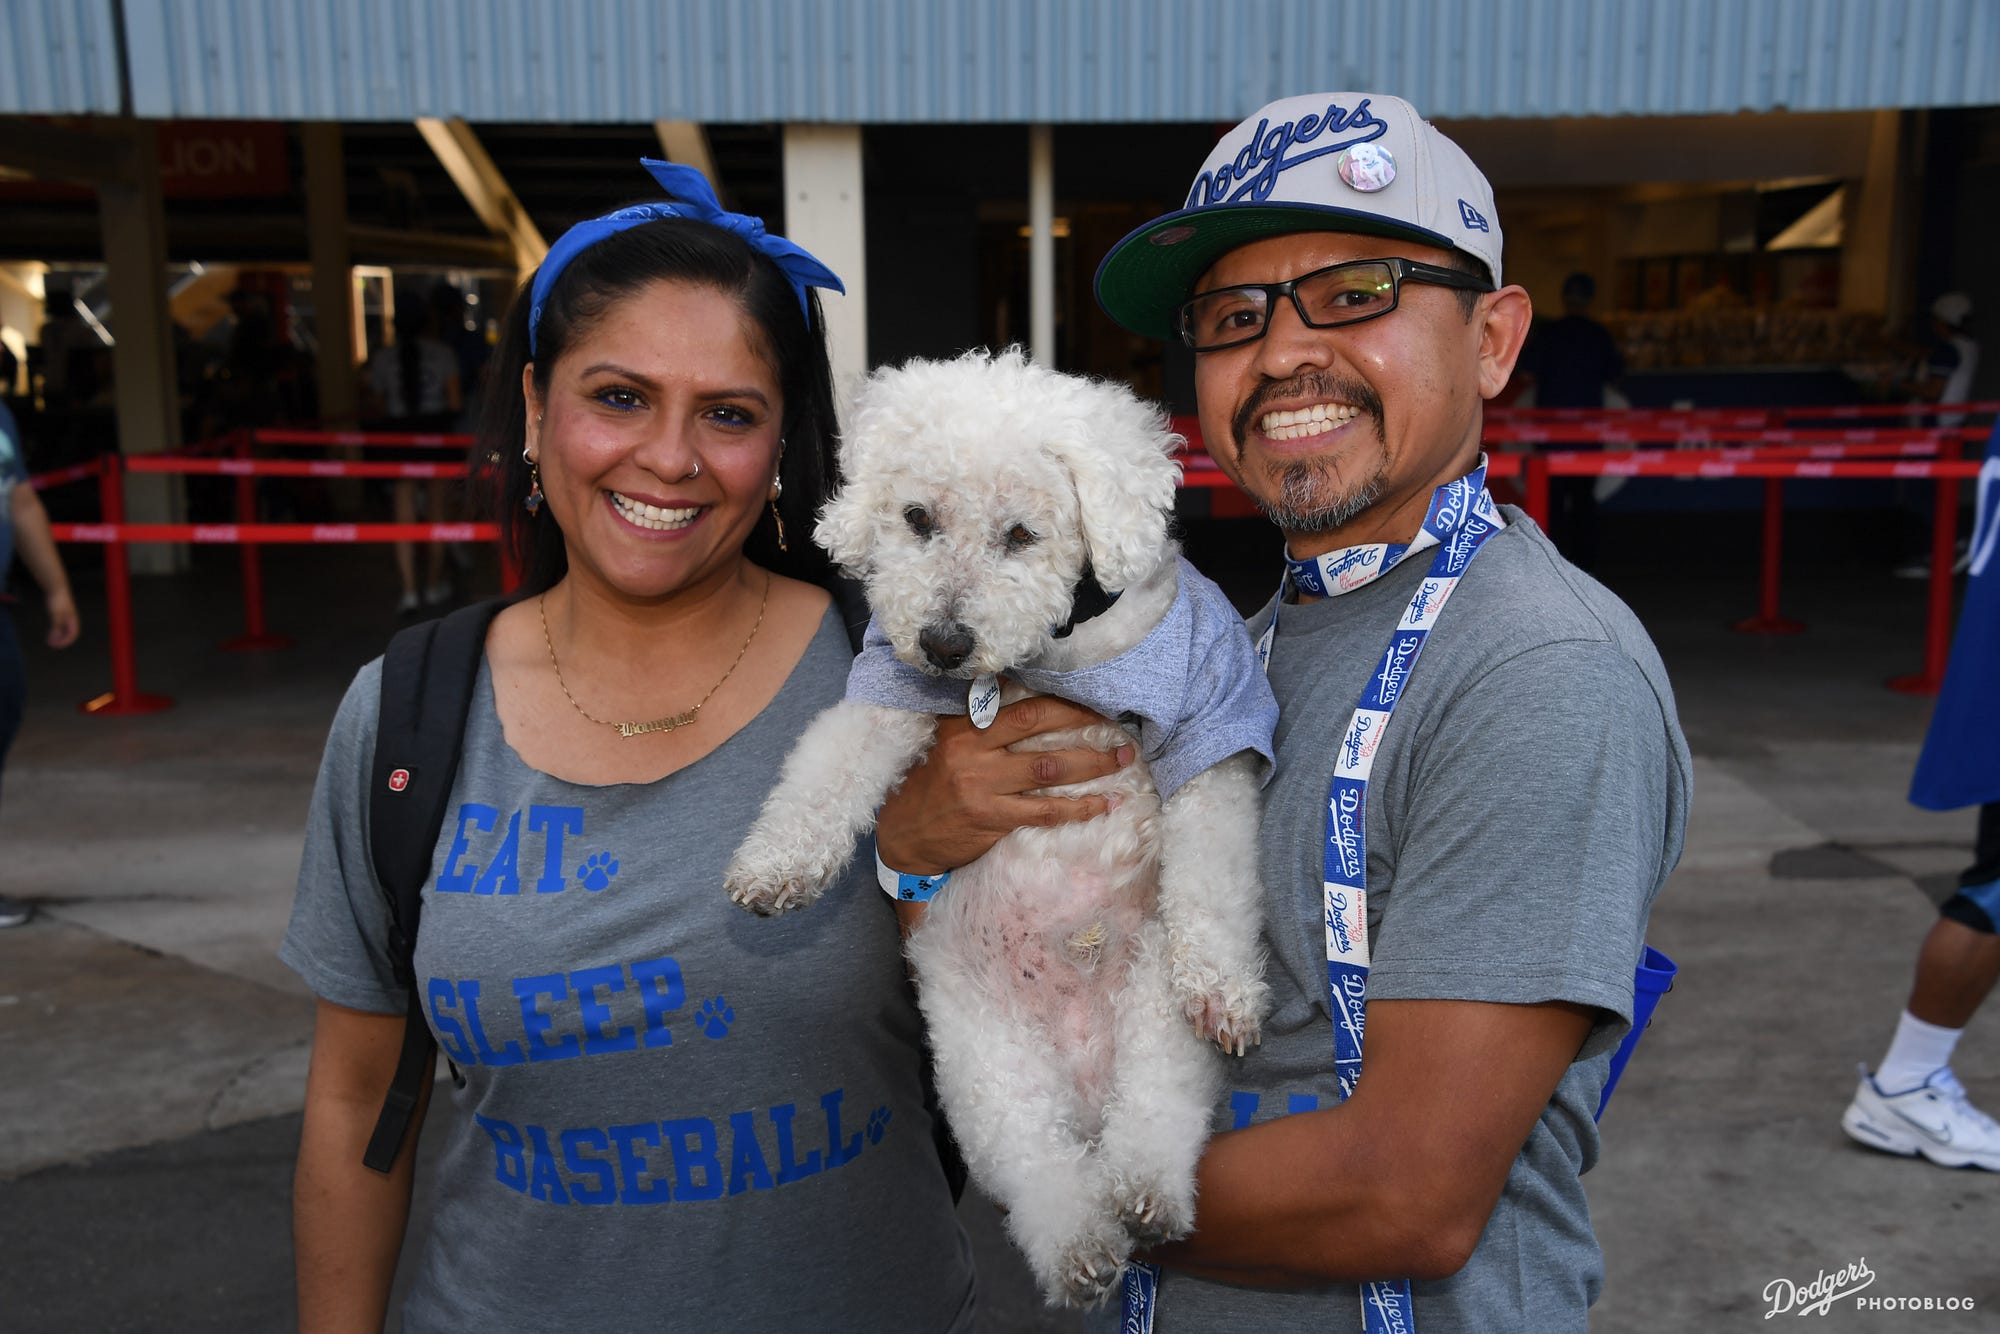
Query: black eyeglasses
point(1324, 298)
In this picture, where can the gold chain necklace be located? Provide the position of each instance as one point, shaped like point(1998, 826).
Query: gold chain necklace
point(667, 724)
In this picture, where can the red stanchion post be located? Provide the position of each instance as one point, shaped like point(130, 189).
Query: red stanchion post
point(1767, 621)
point(1937, 620)
point(124, 697)
point(1536, 484)
point(255, 637)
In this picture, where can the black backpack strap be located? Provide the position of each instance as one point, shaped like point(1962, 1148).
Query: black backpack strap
point(427, 678)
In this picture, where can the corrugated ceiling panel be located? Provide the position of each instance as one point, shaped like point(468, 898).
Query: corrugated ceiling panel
point(58, 57)
point(995, 60)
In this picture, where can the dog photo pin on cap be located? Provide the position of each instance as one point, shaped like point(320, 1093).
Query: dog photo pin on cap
point(1368, 167)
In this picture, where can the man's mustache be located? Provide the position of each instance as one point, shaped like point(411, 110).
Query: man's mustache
point(1314, 384)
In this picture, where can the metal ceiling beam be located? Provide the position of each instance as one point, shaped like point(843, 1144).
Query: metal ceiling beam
point(686, 142)
point(459, 151)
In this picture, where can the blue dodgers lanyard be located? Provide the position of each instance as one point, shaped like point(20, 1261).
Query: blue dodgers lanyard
point(1462, 516)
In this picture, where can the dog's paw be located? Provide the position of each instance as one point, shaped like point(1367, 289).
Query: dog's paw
point(767, 888)
point(1229, 1013)
point(1087, 1268)
point(1155, 1212)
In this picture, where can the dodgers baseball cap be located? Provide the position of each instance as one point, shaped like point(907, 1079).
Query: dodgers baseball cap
point(1322, 162)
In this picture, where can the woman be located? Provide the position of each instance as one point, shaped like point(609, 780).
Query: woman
point(667, 1113)
point(414, 386)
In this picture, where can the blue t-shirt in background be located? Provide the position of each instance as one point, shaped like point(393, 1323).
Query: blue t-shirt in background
point(1572, 359)
point(13, 472)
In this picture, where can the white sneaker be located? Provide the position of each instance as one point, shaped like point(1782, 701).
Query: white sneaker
point(1934, 1119)
point(408, 605)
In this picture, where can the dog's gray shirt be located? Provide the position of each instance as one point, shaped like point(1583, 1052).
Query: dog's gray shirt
point(1193, 683)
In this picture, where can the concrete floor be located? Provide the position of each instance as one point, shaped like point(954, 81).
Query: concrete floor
point(152, 1049)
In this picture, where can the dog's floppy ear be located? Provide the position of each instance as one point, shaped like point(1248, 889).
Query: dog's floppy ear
point(1122, 462)
point(846, 528)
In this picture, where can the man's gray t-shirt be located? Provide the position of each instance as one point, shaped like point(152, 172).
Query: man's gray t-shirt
point(674, 1115)
point(1526, 806)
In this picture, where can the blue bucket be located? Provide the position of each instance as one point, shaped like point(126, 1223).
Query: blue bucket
point(1653, 979)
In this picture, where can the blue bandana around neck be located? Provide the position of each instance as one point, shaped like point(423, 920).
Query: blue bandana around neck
point(694, 199)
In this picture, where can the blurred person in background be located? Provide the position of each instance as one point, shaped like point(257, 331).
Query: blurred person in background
point(1943, 376)
point(1912, 1104)
point(413, 385)
point(24, 527)
point(1574, 362)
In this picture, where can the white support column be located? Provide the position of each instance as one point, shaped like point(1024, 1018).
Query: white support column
point(149, 414)
point(823, 213)
point(332, 273)
point(1041, 245)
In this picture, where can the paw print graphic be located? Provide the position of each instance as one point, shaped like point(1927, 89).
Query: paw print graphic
point(878, 1121)
point(714, 1017)
point(596, 873)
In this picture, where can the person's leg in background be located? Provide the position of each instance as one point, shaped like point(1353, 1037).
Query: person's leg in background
point(13, 696)
point(437, 588)
point(1913, 1103)
point(403, 509)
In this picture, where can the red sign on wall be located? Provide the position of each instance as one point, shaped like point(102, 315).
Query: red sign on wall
point(222, 159)
point(199, 159)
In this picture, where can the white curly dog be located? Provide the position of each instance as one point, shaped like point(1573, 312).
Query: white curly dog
point(1073, 977)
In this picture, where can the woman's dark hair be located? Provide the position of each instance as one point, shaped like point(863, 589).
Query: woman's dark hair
point(678, 250)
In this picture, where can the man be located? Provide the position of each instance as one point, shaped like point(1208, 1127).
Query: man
point(1520, 814)
point(1571, 362)
point(25, 524)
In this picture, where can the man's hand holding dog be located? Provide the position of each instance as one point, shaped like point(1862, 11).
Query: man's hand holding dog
point(971, 790)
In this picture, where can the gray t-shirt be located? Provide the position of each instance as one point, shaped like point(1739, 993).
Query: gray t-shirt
point(674, 1115)
point(1526, 805)
point(1192, 683)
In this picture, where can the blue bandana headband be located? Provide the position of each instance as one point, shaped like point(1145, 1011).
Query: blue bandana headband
point(695, 200)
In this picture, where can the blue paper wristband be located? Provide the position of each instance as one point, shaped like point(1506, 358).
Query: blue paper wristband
point(909, 888)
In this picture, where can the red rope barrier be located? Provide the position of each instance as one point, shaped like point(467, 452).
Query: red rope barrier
point(124, 698)
point(365, 439)
point(1768, 620)
point(1937, 617)
point(43, 481)
point(1674, 465)
point(1640, 433)
point(270, 534)
point(180, 463)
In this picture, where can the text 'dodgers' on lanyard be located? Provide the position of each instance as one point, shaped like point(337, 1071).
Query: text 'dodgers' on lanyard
point(1462, 516)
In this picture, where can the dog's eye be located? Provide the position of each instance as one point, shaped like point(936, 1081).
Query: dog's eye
point(1019, 536)
point(920, 520)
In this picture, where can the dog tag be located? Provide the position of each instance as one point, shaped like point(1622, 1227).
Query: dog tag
point(982, 701)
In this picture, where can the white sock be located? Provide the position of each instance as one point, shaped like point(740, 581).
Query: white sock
point(1917, 1052)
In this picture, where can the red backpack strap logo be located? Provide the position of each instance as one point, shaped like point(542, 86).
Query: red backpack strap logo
point(398, 779)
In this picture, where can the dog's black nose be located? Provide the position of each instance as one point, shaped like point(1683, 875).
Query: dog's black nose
point(945, 645)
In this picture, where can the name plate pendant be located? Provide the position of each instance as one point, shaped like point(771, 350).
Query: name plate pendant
point(658, 724)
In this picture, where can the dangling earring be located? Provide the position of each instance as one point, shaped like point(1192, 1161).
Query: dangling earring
point(777, 490)
point(533, 503)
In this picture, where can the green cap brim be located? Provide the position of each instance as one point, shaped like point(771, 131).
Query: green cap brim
point(1142, 282)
